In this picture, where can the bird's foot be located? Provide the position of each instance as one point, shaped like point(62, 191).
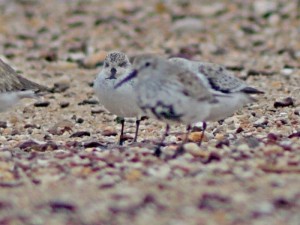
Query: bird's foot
point(157, 152)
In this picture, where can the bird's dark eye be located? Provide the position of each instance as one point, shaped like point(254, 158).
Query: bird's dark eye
point(147, 64)
point(106, 64)
point(123, 64)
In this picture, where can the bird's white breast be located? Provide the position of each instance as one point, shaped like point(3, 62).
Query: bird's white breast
point(120, 101)
point(228, 105)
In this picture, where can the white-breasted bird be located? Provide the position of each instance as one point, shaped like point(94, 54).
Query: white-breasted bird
point(169, 93)
point(120, 102)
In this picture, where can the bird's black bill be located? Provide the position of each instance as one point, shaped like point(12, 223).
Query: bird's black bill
point(132, 75)
point(113, 73)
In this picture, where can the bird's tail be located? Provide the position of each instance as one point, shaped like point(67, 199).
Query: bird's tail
point(251, 90)
point(27, 94)
point(27, 84)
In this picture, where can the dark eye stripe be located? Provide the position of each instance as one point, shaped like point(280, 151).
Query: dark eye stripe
point(123, 64)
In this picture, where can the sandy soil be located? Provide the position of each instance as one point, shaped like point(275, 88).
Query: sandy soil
point(59, 162)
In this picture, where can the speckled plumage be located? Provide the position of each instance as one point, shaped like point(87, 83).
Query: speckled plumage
point(116, 57)
point(170, 93)
point(235, 92)
point(218, 77)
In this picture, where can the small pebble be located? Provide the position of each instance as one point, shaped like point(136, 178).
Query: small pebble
point(79, 120)
point(64, 104)
point(3, 124)
point(80, 134)
point(60, 87)
point(284, 102)
point(195, 150)
point(196, 137)
point(42, 104)
point(109, 131)
point(88, 102)
point(94, 59)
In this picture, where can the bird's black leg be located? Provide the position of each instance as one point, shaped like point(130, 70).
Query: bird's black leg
point(204, 126)
point(157, 151)
point(137, 125)
point(180, 149)
point(121, 141)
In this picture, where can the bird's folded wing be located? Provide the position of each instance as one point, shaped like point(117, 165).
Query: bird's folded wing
point(193, 86)
point(11, 81)
point(220, 78)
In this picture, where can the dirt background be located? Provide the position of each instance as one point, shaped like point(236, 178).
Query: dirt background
point(59, 160)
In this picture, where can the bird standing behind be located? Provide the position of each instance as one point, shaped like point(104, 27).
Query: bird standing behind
point(220, 81)
point(14, 87)
point(120, 102)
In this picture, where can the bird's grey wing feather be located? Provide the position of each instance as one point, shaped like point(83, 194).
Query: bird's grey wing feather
point(169, 98)
point(30, 85)
point(160, 98)
point(11, 81)
point(220, 78)
point(193, 86)
point(8, 78)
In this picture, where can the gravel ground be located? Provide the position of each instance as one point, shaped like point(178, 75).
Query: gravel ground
point(59, 162)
